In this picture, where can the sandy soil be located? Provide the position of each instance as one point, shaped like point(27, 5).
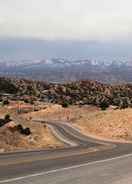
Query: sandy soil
point(56, 112)
point(41, 137)
point(110, 124)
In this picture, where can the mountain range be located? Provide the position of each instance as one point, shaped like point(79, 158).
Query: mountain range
point(61, 70)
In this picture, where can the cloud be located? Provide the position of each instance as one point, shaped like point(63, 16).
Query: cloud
point(66, 19)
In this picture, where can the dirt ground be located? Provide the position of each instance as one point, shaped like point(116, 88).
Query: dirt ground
point(41, 136)
point(56, 112)
point(110, 124)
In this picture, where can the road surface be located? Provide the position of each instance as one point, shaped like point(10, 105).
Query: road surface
point(83, 161)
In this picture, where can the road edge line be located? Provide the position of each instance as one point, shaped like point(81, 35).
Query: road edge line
point(64, 169)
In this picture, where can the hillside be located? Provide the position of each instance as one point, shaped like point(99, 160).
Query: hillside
point(109, 124)
point(12, 139)
point(79, 92)
point(25, 100)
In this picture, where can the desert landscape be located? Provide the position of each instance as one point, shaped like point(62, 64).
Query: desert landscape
point(40, 136)
point(97, 110)
point(110, 124)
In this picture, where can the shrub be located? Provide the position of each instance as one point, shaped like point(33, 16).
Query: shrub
point(31, 101)
point(45, 125)
point(124, 103)
point(7, 118)
point(24, 131)
point(104, 105)
point(2, 122)
point(7, 86)
point(65, 104)
point(26, 100)
point(19, 128)
point(5, 102)
point(116, 101)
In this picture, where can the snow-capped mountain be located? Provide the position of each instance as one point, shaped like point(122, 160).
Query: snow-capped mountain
point(65, 69)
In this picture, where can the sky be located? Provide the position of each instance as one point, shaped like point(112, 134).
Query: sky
point(66, 19)
point(65, 28)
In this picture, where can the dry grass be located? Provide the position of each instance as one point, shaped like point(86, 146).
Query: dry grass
point(41, 137)
point(56, 112)
point(111, 124)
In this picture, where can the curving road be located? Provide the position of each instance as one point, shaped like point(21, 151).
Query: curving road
point(84, 160)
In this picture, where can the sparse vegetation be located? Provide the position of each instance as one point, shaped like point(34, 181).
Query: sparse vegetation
point(111, 124)
point(104, 105)
point(5, 102)
point(2, 122)
point(24, 131)
point(65, 104)
point(7, 86)
point(7, 118)
point(75, 93)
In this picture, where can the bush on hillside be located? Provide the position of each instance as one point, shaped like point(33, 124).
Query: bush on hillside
point(24, 131)
point(65, 104)
point(7, 86)
point(7, 118)
point(104, 105)
point(5, 102)
point(2, 122)
point(124, 103)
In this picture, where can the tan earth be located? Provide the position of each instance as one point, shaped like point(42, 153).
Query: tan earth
point(12, 140)
point(56, 112)
point(110, 124)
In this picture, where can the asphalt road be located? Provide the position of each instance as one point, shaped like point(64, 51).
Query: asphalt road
point(83, 160)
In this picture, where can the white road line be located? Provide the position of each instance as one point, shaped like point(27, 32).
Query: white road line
point(64, 169)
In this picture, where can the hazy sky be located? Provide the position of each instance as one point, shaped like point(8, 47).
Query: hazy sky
point(66, 19)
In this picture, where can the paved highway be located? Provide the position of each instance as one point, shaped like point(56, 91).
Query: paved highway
point(83, 160)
